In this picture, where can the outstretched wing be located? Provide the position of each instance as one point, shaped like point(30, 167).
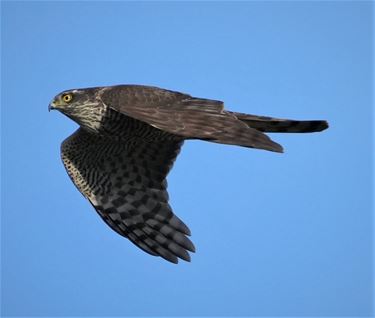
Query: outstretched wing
point(185, 116)
point(125, 182)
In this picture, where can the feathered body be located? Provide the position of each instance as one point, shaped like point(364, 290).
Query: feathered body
point(128, 139)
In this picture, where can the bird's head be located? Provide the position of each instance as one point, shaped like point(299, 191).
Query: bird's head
point(82, 105)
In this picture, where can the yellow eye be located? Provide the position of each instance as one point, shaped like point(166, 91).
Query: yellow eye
point(67, 98)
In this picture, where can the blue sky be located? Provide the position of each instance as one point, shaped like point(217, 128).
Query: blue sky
point(276, 235)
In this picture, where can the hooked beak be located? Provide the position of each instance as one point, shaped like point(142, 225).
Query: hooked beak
point(51, 106)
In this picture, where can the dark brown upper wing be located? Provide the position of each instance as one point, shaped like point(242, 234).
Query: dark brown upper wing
point(185, 116)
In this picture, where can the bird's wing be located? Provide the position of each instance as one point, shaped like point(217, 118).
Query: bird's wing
point(126, 184)
point(185, 116)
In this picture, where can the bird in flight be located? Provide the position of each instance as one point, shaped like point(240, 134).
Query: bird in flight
point(128, 139)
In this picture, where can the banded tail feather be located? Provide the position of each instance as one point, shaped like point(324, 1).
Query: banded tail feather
point(278, 125)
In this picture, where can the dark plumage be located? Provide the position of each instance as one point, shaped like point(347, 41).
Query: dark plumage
point(128, 139)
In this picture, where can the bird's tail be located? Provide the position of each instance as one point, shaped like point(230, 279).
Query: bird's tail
point(271, 125)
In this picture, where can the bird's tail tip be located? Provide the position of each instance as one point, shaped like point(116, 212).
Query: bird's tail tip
point(278, 125)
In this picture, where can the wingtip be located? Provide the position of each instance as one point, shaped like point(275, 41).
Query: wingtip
point(279, 149)
point(275, 147)
point(185, 257)
point(173, 260)
point(189, 245)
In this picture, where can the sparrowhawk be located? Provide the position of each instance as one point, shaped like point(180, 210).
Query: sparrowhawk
point(128, 139)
